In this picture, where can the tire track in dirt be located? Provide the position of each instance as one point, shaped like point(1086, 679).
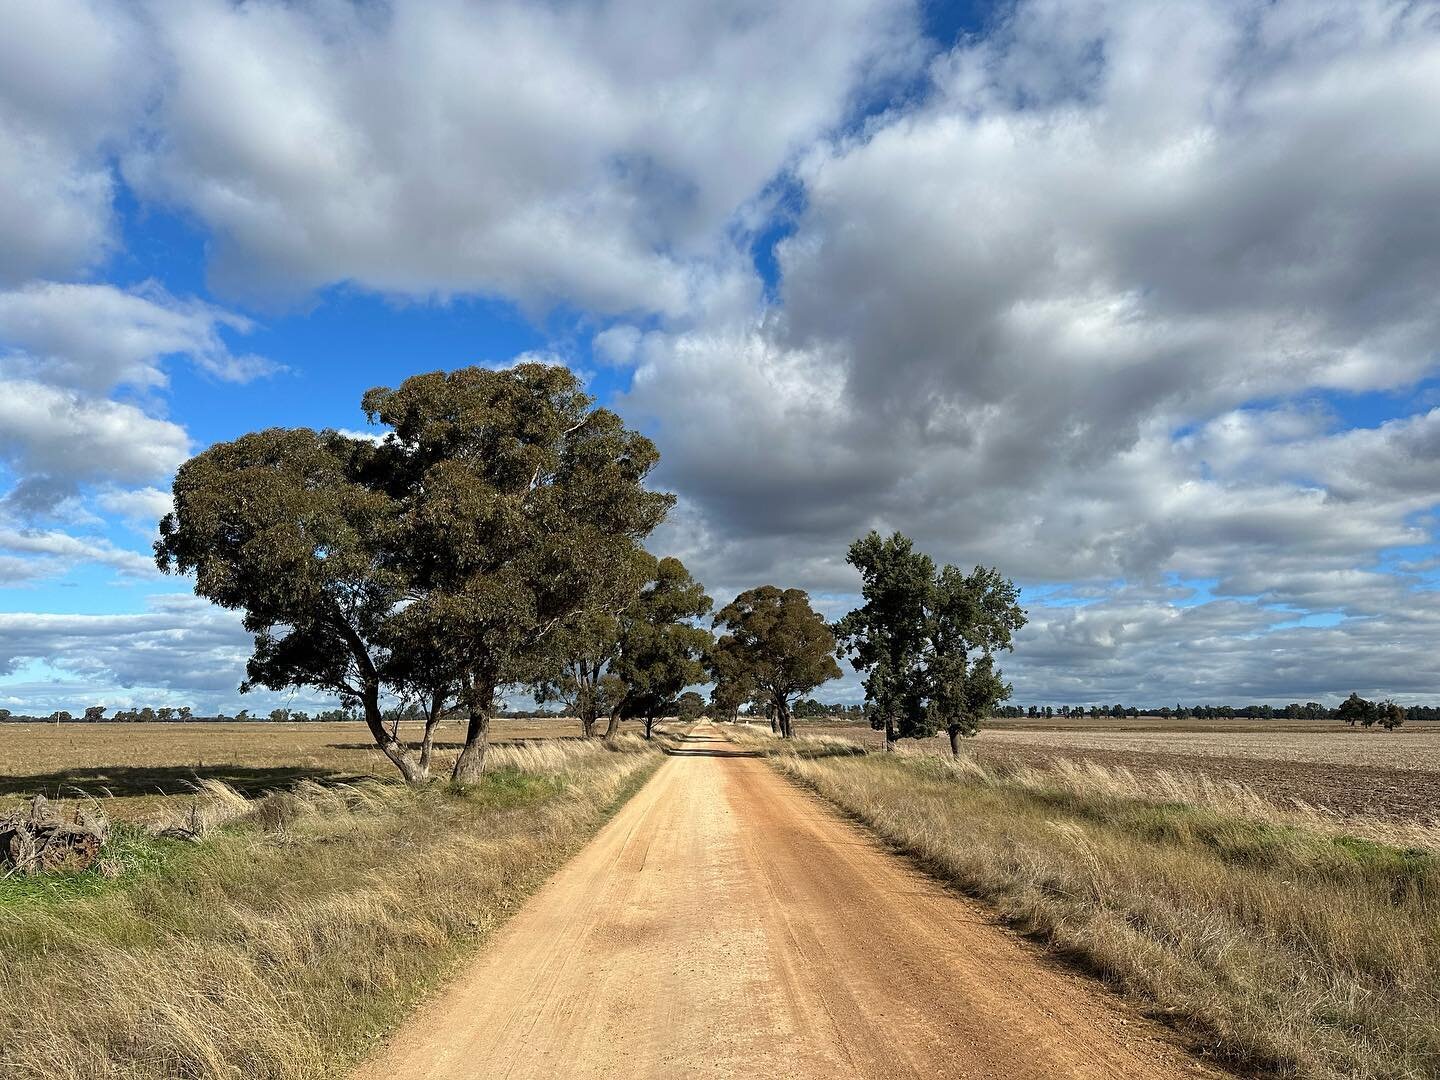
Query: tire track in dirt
point(728, 924)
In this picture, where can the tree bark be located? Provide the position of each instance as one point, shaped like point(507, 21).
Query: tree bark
point(889, 734)
point(782, 712)
point(613, 727)
point(587, 710)
point(427, 743)
point(649, 726)
point(470, 765)
point(389, 745)
point(954, 740)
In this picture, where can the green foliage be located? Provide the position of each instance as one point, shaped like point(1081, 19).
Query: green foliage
point(887, 636)
point(660, 650)
point(435, 565)
point(926, 640)
point(776, 646)
point(1357, 710)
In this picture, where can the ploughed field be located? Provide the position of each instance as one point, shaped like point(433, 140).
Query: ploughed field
point(1393, 775)
point(136, 768)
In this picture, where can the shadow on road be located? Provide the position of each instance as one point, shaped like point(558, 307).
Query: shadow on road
point(697, 744)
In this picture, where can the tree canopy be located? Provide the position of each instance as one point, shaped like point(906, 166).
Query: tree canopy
point(777, 645)
point(500, 507)
point(927, 640)
point(660, 650)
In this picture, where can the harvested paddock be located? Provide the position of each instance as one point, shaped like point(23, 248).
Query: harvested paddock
point(135, 768)
point(1389, 775)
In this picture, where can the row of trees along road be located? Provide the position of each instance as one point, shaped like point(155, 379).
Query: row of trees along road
point(493, 538)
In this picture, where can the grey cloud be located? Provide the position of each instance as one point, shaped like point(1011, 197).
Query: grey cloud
point(578, 153)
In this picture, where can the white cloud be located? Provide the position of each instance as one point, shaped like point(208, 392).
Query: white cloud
point(73, 77)
point(999, 306)
point(59, 551)
point(96, 337)
point(141, 508)
point(180, 644)
point(579, 153)
point(54, 440)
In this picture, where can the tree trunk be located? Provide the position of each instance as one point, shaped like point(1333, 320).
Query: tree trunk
point(586, 705)
point(389, 745)
point(470, 765)
point(889, 734)
point(613, 727)
point(649, 725)
point(774, 725)
point(427, 742)
point(782, 712)
point(954, 740)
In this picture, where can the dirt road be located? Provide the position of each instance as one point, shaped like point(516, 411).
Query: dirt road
point(726, 924)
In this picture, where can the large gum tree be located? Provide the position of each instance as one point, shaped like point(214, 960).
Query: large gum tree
point(436, 563)
point(777, 645)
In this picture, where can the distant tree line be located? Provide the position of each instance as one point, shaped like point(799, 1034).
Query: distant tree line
point(164, 714)
point(1354, 710)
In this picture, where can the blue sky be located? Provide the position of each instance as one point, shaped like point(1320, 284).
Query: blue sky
point(1150, 328)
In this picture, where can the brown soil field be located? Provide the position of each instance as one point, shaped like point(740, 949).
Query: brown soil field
point(135, 767)
point(1390, 775)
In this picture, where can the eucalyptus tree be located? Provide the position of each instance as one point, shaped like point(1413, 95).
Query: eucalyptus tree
point(576, 667)
point(732, 687)
point(434, 564)
point(284, 526)
point(778, 645)
point(927, 640)
point(886, 638)
point(661, 650)
point(522, 502)
point(972, 617)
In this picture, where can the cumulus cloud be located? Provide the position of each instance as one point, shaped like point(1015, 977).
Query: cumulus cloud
point(180, 646)
point(96, 337)
point(65, 349)
point(55, 440)
point(1092, 249)
point(52, 552)
point(1072, 312)
point(573, 153)
point(73, 78)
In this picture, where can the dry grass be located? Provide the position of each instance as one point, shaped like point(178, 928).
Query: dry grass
point(298, 931)
point(1352, 772)
point(1274, 937)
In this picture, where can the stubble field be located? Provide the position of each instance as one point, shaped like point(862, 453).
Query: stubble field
point(1394, 776)
point(135, 768)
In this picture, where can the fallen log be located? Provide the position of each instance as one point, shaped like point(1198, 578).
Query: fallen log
point(37, 840)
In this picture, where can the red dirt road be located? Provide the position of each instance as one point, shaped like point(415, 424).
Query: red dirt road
point(727, 924)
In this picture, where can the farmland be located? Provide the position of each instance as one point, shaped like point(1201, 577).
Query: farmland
point(135, 768)
point(1390, 775)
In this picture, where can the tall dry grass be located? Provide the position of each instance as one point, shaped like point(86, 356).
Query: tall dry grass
point(297, 930)
point(1274, 936)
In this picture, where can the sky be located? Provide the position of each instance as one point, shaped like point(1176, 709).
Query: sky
point(1133, 301)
